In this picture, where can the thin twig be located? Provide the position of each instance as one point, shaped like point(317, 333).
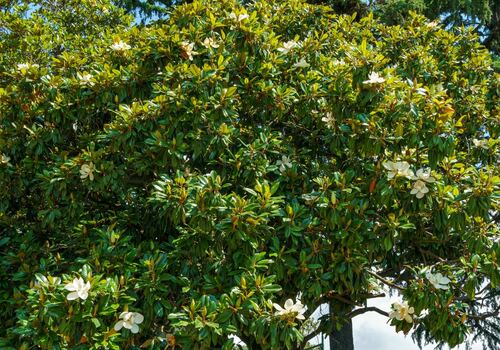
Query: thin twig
point(383, 280)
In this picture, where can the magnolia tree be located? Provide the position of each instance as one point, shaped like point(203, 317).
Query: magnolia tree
point(219, 174)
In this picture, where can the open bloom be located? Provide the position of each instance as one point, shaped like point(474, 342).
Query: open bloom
point(188, 51)
point(23, 67)
point(438, 280)
point(209, 42)
point(419, 189)
point(301, 64)
point(129, 320)
point(296, 310)
point(424, 175)
point(288, 46)
point(329, 120)
point(284, 163)
point(398, 169)
point(85, 79)
point(401, 312)
point(240, 17)
point(78, 289)
point(120, 46)
point(87, 170)
point(480, 143)
point(374, 78)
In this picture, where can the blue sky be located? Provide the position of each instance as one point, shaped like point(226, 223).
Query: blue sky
point(372, 332)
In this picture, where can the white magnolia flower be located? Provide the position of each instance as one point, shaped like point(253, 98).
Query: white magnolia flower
point(438, 280)
point(120, 46)
point(4, 159)
point(284, 163)
point(373, 79)
point(188, 47)
point(87, 170)
point(296, 310)
point(401, 312)
point(424, 175)
point(301, 64)
point(419, 189)
point(85, 79)
point(25, 66)
point(398, 169)
point(288, 46)
point(240, 17)
point(329, 120)
point(480, 143)
point(209, 42)
point(129, 320)
point(78, 289)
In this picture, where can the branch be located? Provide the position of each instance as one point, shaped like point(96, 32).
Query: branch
point(372, 296)
point(486, 315)
point(383, 280)
point(429, 253)
point(310, 336)
point(366, 309)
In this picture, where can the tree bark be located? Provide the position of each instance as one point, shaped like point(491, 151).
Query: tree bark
point(341, 339)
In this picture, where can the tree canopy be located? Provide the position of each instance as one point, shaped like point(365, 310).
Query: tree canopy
point(483, 15)
point(204, 177)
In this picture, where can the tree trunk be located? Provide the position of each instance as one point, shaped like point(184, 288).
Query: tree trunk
point(342, 339)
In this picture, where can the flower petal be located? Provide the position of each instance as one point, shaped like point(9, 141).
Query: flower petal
point(138, 318)
point(83, 294)
point(134, 328)
point(388, 165)
point(72, 296)
point(71, 287)
point(118, 325)
point(288, 304)
point(277, 307)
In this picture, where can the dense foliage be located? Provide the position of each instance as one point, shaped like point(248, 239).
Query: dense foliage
point(175, 184)
point(482, 15)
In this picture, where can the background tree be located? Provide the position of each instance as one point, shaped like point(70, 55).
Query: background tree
point(209, 171)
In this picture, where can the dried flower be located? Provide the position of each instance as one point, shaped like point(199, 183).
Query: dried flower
point(87, 170)
point(188, 50)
